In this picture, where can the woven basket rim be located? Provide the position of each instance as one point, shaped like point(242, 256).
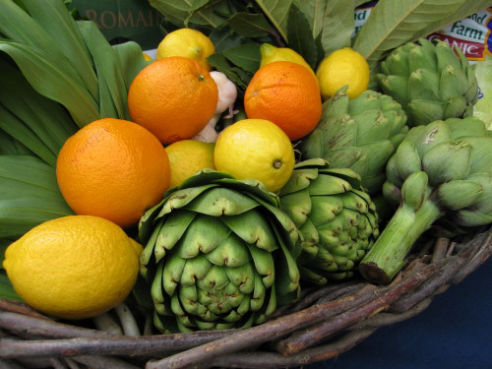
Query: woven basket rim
point(324, 323)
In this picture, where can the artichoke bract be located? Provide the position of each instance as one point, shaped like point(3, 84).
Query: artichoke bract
point(336, 218)
point(430, 81)
point(360, 133)
point(219, 254)
point(440, 170)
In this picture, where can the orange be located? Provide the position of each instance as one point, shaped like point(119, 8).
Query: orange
point(174, 98)
point(114, 169)
point(286, 94)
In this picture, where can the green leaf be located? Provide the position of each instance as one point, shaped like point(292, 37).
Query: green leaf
point(236, 75)
point(24, 110)
point(112, 89)
point(250, 25)
point(358, 3)
point(15, 128)
point(29, 195)
point(6, 290)
point(49, 80)
point(19, 26)
point(131, 60)
point(53, 17)
point(212, 13)
point(301, 37)
point(245, 56)
point(331, 20)
point(10, 146)
point(224, 38)
point(277, 11)
point(393, 23)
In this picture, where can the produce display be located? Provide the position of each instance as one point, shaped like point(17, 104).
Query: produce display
point(210, 184)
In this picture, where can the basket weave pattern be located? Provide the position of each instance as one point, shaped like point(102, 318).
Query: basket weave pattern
point(324, 323)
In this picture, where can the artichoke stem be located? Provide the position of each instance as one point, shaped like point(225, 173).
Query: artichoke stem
point(387, 256)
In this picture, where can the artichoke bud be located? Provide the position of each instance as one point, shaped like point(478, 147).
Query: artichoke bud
point(446, 57)
point(453, 82)
point(432, 135)
point(435, 75)
point(447, 161)
point(338, 104)
point(422, 111)
point(459, 194)
point(415, 189)
point(340, 225)
point(466, 127)
point(395, 86)
point(421, 58)
point(366, 101)
point(423, 84)
point(362, 142)
point(405, 161)
point(455, 107)
point(228, 254)
point(396, 64)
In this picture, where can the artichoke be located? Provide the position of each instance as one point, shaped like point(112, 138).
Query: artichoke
point(430, 81)
point(336, 218)
point(219, 254)
point(360, 134)
point(439, 170)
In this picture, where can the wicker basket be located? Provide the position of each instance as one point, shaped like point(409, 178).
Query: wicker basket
point(323, 324)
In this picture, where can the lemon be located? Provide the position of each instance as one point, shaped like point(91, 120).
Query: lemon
point(186, 42)
point(73, 267)
point(186, 157)
point(343, 67)
point(255, 148)
point(270, 54)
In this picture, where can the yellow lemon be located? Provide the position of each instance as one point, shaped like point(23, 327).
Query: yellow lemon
point(270, 54)
point(343, 67)
point(186, 157)
point(73, 267)
point(186, 42)
point(255, 148)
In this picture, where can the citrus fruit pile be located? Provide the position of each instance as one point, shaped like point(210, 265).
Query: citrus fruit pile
point(111, 171)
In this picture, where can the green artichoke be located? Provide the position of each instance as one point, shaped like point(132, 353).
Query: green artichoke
point(336, 218)
point(359, 133)
point(439, 170)
point(219, 254)
point(430, 81)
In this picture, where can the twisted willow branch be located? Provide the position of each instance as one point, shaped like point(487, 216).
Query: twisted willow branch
point(323, 324)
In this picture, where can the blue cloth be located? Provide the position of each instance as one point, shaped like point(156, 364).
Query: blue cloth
point(454, 332)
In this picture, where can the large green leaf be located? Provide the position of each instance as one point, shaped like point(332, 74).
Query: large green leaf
point(393, 23)
point(212, 13)
point(10, 146)
point(45, 76)
point(246, 56)
point(15, 128)
point(331, 20)
point(6, 290)
point(131, 60)
point(300, 36)
point(19, 26)
point(29, 195)
point(26, 115)
point(251, 25)
point(112, 88)
point(53, 17)
point(277, 11)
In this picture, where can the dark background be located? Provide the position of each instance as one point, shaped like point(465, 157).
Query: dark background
point(454, 332)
